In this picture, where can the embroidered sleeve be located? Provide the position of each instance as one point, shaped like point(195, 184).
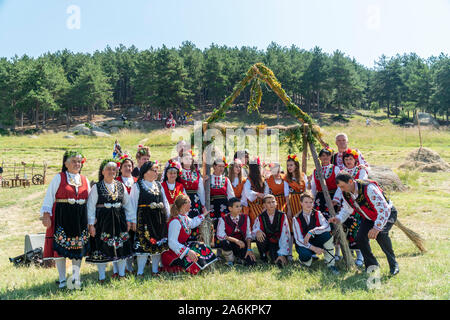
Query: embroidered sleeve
point(174, 231)
point(298, 237)
point(345, 212)
point(324, 225)
point(363, 174)
point(313, 185)
point(91, 204)
point(196, 221)
point(381, 206)
point(201, 191)
point(338, 195)
point(49, 199)
point(285, 237)
point(362, 160)
point(221, 235)
point(230, 190)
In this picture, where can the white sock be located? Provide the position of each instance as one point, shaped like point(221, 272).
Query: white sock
point(130, 264)
point(121, 264)
point(115, 268)
point(141, 261)
point(61, 266)
point(101, 267)
point(155, 262)
point(76, 266)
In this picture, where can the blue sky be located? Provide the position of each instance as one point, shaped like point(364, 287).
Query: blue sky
point(363, 29)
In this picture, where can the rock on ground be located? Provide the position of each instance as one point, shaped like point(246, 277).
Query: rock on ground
point(386, 178)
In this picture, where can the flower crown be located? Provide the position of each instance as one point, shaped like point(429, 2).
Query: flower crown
point(354, 153)
point(124, 157)
point(174, 165)
point(106, 161)
point(74, 153)
point(142, 150)
point(292, 157)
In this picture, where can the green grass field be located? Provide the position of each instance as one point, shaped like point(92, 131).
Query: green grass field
point(424, 207)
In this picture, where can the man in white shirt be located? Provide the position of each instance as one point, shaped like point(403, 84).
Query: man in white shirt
point(377, 213)
point(272, 234)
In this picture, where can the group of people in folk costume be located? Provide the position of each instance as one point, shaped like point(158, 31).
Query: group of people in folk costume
point(133, 211)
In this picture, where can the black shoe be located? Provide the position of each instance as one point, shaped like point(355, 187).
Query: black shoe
point(395, 269)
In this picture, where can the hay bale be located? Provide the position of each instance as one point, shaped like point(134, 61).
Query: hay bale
point(386, 178)
point(425, 160)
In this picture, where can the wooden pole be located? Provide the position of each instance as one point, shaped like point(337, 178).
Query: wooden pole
point(339, 231)
point(305, 147)
point(418, 125)
point(207, 225)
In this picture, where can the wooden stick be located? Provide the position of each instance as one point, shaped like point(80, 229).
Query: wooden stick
point(418, 125)
point(305, 147)
point(339, 231)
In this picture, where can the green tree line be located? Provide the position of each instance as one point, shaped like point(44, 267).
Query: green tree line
point(64, 83)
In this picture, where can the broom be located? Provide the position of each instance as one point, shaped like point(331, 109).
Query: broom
point(412, 235)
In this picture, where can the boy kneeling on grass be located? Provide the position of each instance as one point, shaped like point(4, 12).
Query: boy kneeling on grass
point(272, 234)
point(312, 234)
point(233, 232)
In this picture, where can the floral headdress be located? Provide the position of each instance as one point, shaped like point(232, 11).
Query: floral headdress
point(74, 153)
point(142, 150)
point(354, 153)
point(292, 157)
point(173, 164)
point(106, 161)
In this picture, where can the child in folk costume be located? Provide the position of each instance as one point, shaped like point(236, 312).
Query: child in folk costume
point(329, 172)
point(221, 190)
point(234, 234)
point(64, 214)
point(296, 181)
point(192, 181)
point(172, 188)
point(351, 225)
point(271, 231)
point(312, 234)
point(184, 255)
point(125, 176)
point(110, 217)
point(235, 174)
point(142, 156)
point(278, 186)
point(378, 216)
point(152, 209)
point(244, 158)
point(255, 188)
